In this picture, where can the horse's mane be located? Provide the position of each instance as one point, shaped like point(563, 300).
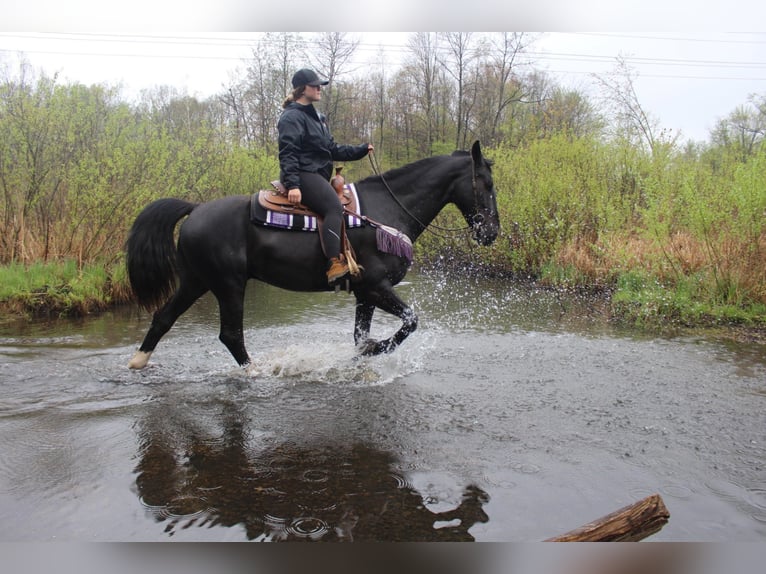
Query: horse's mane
point(418, 164)
point(406, 169)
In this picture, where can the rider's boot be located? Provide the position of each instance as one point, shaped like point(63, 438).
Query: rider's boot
point(337, 269)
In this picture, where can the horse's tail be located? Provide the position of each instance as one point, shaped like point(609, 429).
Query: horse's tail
point(151, 251)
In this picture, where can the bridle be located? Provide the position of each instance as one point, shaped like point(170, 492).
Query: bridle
point(478, 219)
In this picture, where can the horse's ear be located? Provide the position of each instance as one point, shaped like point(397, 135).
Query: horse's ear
point(476, 152)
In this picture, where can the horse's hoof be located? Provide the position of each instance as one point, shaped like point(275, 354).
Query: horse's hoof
point(139, 360)
point(371, 347)
point(368, 348)
point(250, 370)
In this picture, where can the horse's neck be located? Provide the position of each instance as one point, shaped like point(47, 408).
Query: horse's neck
point(420, 194)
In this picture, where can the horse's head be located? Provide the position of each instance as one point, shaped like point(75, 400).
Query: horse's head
point(480, 209)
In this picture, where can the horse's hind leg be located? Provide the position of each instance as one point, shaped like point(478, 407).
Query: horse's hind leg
point(164, 319)
point(231, 304)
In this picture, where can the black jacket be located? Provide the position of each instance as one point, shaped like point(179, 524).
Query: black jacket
point(305, 144)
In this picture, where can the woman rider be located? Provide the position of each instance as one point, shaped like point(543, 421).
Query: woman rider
point(306, 154)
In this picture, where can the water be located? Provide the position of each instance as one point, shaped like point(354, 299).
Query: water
point(510, 415)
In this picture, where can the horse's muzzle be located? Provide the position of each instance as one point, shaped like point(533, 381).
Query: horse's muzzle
point(484, 232)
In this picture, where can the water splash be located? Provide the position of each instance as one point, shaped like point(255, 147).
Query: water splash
point(330, 363)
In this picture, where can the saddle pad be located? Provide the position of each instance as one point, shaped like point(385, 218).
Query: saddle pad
point(302, 220)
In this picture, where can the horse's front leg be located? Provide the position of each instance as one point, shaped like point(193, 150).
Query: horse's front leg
point(385, 300)
point(363, 321)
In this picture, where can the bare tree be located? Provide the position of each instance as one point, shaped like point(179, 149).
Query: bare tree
point(254, 102)
point(331, 58)
point(423, 72)
point(743, 130)
point(620, 96)
point(456, 63)
point(380, 103)
point(500, 84)
point(401, 120)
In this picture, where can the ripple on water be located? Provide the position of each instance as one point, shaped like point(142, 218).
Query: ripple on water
point(752, 499)
point(317, 475)
point(756, 498)
point(307, 527)
point(401, 481)
point(499, 479)
point(58, 452)
point(677, 491)
point(39, 456)
point(526, 468)
point(725, 490)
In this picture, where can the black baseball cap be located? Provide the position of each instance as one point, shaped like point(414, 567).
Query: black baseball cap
point(306, 77)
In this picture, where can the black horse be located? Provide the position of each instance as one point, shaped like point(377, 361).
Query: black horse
point(219, 249)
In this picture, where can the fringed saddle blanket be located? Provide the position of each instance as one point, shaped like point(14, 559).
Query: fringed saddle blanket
point(270, 208)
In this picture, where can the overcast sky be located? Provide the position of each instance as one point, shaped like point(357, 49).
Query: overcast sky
point(687, 80)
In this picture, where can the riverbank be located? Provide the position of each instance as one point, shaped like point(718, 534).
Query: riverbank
point(63, 290)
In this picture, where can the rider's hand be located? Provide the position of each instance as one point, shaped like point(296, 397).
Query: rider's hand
point(294, 196)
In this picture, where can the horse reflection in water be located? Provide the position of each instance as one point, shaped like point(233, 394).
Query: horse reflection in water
point(291, 492)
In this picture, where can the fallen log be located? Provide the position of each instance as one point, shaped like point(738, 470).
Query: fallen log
point(629, 524)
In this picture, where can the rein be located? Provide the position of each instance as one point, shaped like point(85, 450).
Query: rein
point(376, 170)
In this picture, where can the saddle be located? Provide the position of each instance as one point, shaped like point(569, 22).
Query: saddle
point(270, 207)
point(276, 200)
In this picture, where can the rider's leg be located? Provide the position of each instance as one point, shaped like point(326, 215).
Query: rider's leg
point(318, 195)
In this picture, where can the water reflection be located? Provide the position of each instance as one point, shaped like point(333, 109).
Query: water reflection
point(191, 476)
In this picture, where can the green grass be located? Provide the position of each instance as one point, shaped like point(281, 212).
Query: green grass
point(642, 300)
point(60, 288)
